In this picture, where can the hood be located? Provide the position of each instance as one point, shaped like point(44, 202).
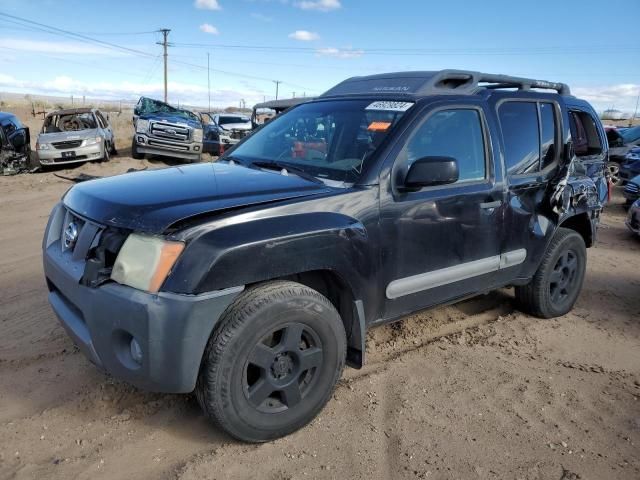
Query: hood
point(236, 126)
point(65, 136)
point(172, 118)
point(151, 201)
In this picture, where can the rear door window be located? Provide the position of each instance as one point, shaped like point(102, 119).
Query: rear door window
point(519, 123)
point(548, 129)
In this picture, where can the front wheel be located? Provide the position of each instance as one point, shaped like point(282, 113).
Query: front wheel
point(135, 153)
point(556, 285)
point(273, 362)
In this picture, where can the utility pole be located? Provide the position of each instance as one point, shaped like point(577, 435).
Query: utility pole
point(635, 113)
point(165, 44)
point(209, 81)
point(277, 82)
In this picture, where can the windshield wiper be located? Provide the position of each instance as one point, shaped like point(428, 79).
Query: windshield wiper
point(273, 165)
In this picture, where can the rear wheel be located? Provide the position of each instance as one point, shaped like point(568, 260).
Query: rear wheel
point(273, 362)
point(556, 285)
point(614, 173)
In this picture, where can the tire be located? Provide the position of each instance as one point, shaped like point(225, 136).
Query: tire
point(134, 151)
point(114, 151)
point(252, 381)
point(106, 156)
point(556, 284)
point(614, 173)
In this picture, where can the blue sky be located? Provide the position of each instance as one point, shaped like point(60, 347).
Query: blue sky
point(310, 45)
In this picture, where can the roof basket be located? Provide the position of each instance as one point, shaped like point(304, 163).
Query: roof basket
point(463, 81)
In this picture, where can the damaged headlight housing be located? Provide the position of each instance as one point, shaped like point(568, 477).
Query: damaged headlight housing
point(197, 135)
point(145, 261)
point(142, 126)
point(93, 141)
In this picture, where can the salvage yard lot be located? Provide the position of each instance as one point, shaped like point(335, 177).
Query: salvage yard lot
point(475, 390)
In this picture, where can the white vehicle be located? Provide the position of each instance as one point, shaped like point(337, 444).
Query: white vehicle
point(75, 135)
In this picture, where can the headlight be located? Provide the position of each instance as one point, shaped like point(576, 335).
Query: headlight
point(142, 126)
point(144, 262)
point(42, 146)
point(93, 141)
point(197, 135)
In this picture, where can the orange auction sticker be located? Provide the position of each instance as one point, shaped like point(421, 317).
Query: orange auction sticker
point(379, 126)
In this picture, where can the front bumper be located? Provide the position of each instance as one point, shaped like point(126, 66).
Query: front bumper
point(171, 330)
point(156, 146)
point(53, 156)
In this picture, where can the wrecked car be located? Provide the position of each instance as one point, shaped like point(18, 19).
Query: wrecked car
point(620, 146)
point(267, 111)
point(162, 129)
point(75, 135)
point(15, 145)
point(254, 279)
point(224, 130)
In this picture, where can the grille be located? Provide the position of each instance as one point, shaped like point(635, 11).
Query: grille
point(169, 131)
point(239, 134)
point(67, 144)
point(85, 234)
point(168, 146)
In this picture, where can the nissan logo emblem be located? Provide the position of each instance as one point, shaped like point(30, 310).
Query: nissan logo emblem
point(70, 235)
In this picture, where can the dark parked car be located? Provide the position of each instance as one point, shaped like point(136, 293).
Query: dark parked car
point(630, 166)
point(15, 145)
point(631, 190)
point(633, 218)
point(620, 145)
point(254, 279)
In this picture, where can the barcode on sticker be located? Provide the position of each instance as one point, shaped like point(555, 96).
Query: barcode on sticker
point(390, 106)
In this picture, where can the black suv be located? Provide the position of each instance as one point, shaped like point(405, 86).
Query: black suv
point(254, 279)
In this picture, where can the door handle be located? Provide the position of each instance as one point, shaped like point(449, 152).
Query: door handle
point(491, 205)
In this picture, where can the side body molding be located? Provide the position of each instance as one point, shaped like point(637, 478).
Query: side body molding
point(425, 281)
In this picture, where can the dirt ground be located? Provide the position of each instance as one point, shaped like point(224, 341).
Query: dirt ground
point(471, 391)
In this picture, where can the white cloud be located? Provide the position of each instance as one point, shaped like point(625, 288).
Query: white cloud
point(304, 36)
point(344, 53)
point(621, 96)
point(207, 5)
point(319, 5)
point(207, 28)
point(60, 48)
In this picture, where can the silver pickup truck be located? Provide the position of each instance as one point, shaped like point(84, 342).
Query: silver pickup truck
point(161, 129)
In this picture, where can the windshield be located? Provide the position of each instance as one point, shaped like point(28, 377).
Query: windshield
point(631, 134)
point(149, 105)
point(227, 120)
point(72, 122)
point(329, 140)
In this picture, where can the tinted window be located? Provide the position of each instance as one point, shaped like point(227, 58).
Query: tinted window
point(584, 134)
point(519, 123)
point(451, 133)
point(548, 130)
point(227, 120)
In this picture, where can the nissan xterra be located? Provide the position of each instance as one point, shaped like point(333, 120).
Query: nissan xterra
point(251, 281)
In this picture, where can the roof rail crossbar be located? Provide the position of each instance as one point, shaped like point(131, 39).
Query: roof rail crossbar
point(452, 80)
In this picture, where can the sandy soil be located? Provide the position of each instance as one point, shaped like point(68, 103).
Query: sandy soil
point(475, 390)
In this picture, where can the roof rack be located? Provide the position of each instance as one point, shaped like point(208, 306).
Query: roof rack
point(443, 82)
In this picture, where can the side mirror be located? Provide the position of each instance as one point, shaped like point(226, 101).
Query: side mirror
point(430, 171)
